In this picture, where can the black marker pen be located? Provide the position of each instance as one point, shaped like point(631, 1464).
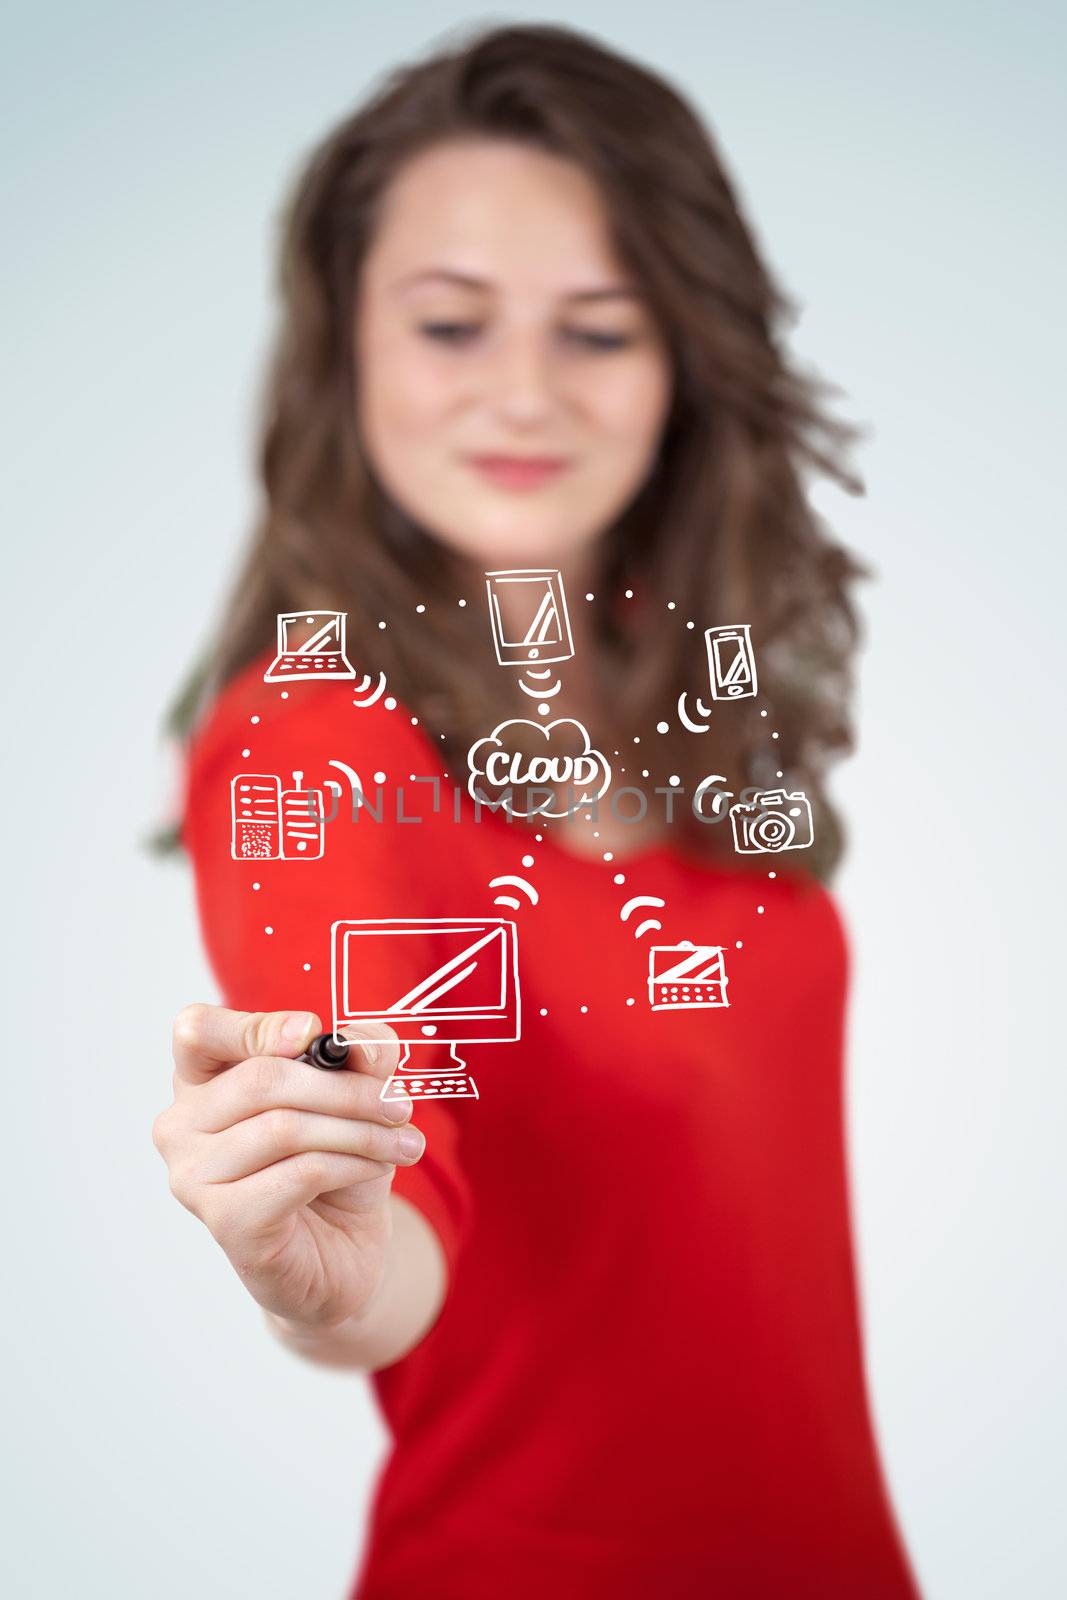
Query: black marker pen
point(326, 1052)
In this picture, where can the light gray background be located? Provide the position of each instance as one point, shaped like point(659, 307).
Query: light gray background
point(899, 164)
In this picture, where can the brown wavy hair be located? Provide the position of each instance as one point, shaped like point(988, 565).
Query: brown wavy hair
point(721, 531)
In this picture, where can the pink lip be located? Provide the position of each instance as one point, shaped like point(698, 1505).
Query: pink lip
point(518, 472)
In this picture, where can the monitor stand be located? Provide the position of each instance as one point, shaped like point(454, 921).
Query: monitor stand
point(446, 1083)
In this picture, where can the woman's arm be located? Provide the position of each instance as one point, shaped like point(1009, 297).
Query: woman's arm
point(267, 928)
point(405, 1306)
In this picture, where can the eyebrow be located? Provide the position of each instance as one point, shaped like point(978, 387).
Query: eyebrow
point(467, 280)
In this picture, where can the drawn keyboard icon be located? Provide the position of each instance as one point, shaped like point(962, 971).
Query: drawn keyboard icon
point(452, 1084)
point(309, 663)
point(667, 994)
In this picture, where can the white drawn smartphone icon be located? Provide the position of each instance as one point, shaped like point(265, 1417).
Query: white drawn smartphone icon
point(731, 663)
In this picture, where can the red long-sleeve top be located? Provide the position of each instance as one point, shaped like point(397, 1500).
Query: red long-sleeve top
point(647, 1378)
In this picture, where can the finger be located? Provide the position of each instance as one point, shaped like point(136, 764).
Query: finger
point(271, 1197)
point(379, 1048)
point(208, 1039)
point(272, 1136)
point(266, 1083)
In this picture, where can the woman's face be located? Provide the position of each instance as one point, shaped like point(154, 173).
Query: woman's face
point(495, 321)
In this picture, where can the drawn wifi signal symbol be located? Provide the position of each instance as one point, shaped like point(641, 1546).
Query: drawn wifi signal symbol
point(376, 692)
point(534, 690)
point(686, 720)
point(649, 925)
point(514, 883)
point(354, 779)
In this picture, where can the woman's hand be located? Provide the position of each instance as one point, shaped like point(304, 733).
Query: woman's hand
point(288, 1166)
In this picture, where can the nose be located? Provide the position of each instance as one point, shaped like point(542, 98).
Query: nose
point(521, 384)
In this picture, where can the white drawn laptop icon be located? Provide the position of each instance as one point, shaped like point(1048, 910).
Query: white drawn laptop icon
point(311, 644)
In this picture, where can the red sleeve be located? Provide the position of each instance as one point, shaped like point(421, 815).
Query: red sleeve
point(266, 923)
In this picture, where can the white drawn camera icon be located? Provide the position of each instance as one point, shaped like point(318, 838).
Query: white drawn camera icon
point(774, 820)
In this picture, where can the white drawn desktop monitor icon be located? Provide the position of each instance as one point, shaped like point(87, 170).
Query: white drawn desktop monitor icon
point(528, 615)
point(460, 985)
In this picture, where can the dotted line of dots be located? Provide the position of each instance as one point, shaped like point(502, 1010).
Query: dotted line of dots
point(544, 710)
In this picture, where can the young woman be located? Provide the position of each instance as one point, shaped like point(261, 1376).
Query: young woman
point(607, 1296)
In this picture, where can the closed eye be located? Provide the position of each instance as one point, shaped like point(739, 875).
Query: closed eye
point(448, 332)
point(462, 332)
point(602, 341)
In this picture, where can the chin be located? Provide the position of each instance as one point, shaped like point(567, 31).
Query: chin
point(498, 535)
